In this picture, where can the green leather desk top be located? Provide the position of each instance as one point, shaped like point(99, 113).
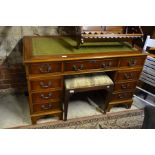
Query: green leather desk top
point(66, 45)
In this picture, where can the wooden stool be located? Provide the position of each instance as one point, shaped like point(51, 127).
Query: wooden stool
point(87, 83)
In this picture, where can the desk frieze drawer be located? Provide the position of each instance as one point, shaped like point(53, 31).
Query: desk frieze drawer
point(90, 64)
point(122, 96)
point(125, 86)
point(108, 63)
point(44, 84)
point(45, 97)
point(46, 107)
point(132, 61)
point(128, 75)
point(44, 68)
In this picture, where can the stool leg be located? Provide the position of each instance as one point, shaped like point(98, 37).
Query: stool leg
point(107, 107)
point(66, 104)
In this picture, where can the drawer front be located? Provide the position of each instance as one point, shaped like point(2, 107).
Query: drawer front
point(44, 84)
point(132, 62)
point(46, 97)
point(44, 68)
point(46, 106)
point(124, 86)
point(90, 64)
point(108, 63)
point(128, 75)
point(122, 96)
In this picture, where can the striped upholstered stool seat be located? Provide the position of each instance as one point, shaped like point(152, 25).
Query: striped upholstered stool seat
point(88, 81)
point(85, 83)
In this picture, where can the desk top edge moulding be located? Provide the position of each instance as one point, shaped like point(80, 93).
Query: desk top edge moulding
point(48, 60)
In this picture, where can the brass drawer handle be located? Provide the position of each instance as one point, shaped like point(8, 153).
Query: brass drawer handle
point(106, 64)
point(109, 64)
point(132, 62)
point(76, 68)
point(124, 86)
point(121, 96)
point(46, 107)
point(46, 97)
point(129, 75)
point(43, 85)
point(81, 67)
point(103, 65)
point(45, 68)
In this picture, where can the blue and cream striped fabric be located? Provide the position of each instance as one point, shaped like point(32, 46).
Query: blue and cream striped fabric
point(148, 73)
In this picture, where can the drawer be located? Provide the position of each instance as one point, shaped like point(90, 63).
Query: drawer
point(128, 75)
point(46, 106)
point(132, 61)
point(44, 84)
point(90, 64)
point(44, 68)
point(108, 63)
point(122, 96)
point(45, 97)
point(125, 86)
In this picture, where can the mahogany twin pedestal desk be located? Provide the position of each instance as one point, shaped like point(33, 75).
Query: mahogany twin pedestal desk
point(49, 59)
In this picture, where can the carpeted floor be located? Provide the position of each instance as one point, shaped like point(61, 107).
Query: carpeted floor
point(132, 119)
